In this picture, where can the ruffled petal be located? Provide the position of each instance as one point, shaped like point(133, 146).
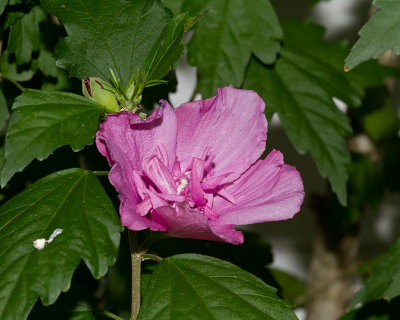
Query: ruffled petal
point(232, 126)
point(159, 175)
point(185, 222)
point(227, 233)
point(127, 193)
point(125, 140)
point(137, 138)
point(125, 186)
point(196, 177)
point(269, 191)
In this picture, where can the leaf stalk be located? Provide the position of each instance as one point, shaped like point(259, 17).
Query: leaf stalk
point(136, 260)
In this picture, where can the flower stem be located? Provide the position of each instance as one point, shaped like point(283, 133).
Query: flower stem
point(112, 316)
point(101, 173)
point(15, 83)
point(136, 258)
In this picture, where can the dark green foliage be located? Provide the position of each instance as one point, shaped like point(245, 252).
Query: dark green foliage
point(208, 288)
point(72, 200)
point(225, 39)
point(104, 34)
point(300, 87)
point(24, 35)
point(166, 50)
point(44, 121)
point(376, 310)
point(385, 280)
point(379, 34)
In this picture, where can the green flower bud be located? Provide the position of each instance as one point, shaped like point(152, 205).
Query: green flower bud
point(95, 90)
point(130, 91)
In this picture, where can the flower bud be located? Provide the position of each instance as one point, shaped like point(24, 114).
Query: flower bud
point(94, 89)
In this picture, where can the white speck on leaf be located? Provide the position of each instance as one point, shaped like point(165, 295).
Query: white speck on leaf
point(41, 243)
point(54, 234)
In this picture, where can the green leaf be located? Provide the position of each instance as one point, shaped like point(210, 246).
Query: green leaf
point(291, 288)
point(24, 35)
point(4, 114)
point(173, 5)
point(314, 2)
point(381, 123)
point(3, 4)
point(72, 200)
point(379, 34)
point(304, 41)
point(9, 70)
point(208, 288)
point(306, 36)
point(226, 37)
point(76, 304)
point(44, 121)
point(195, 7)
point(300, 88)
point(166, 50)
point(371, 74)
point(375, 310)
point(62, 82)
point(47, 63)
point(385, 280)
point(104, 35)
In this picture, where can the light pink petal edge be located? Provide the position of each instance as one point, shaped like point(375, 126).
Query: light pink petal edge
point(231, 125)
point(269, 191)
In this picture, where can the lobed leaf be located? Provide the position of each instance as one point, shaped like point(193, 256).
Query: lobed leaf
point(385, 280)
point(300, 87)
point(47, 63)
point(227, 36)
point(24, 37)
point(201, 287)
point(106, 34)
point(379, 34)
point(44, 121)
point(9, 70)
point(72, 200)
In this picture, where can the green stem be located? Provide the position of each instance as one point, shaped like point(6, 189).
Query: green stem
point(101, 173)
point(153, 257)
point(112, 316)
point(136, 259)
point(151, 237)
point(15, 83)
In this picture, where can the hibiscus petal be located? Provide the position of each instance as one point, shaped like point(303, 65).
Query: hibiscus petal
point(269, 191)
point(159, 175)
point(129, 199)
point(185, 222)
point(228, 233)
point(232, 126)
point(137, 138)
point(196, 177)
point(125, 140)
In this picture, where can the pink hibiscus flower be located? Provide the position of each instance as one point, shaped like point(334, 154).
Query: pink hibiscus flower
point(193, 172)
